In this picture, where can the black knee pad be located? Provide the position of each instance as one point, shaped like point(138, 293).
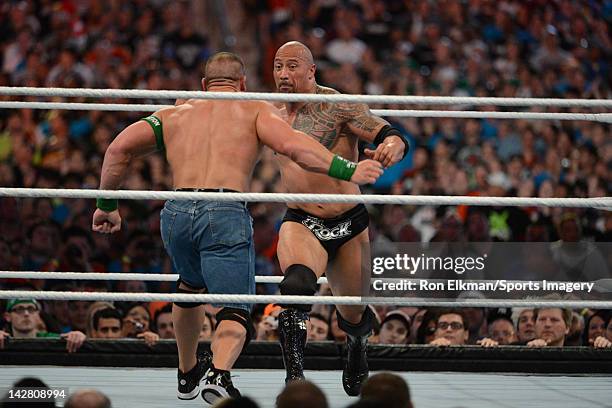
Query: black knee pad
point(194, 291)
point(239, 316)
point(363, 328)
point(299, 280)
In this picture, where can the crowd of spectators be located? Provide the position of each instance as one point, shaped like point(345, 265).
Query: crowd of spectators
point(506, 48)
point(554, 327)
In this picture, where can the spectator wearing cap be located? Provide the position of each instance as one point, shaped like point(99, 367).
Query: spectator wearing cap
point(395, 328)
point(267, 329)
point(24, 317)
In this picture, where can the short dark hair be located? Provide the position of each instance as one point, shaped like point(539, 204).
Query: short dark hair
point(301, 394)
point(224, 66)
point(315, 315)
point(459, 312)
point(388, 389)
point(106, 313)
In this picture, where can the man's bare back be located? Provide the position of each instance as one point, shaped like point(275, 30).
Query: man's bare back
point(212, 144)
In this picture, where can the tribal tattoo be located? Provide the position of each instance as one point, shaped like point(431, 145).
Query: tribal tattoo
point(326, 122)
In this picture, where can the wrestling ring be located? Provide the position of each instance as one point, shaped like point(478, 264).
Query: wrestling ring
point(133, 375)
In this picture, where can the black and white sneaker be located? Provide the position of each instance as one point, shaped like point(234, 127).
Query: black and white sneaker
point(217, 386)
point(189, 382)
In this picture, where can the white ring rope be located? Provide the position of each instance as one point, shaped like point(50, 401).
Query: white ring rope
point(153, 277)
point(292, 299)
point(282, 97)
point(118, 107)
point(600, 202)
point(601, 285)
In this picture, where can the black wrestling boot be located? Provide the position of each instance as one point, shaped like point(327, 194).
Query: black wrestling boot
point(356, 368)
point(292, 336)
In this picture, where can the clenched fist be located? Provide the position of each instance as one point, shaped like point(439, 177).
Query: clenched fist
point(367, 172)
point(106, 222)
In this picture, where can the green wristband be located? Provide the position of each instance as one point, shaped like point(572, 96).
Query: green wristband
point(106, 204)
point(341, 168)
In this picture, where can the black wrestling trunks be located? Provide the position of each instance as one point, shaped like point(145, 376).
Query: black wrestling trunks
point(332, 233)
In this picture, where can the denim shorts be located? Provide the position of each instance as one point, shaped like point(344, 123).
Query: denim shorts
point(211, 246)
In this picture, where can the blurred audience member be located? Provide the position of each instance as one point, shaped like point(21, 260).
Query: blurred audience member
point(387, 390)
point(301, 394)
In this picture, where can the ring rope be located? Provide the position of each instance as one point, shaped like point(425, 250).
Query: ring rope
point(118, 107)
point(154, 277)
point(282, 97)
point(294, 299)
point(602, 285)
point(600, 202)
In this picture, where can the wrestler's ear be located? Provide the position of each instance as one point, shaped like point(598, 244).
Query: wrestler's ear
point(311, 71)
point(203, 84)
point(243, 86)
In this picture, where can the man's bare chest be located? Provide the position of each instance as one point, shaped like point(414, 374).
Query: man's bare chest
point(321, 124)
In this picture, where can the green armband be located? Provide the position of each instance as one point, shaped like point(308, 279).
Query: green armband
point(341, 168)
point(106, 204)
point(158, 130)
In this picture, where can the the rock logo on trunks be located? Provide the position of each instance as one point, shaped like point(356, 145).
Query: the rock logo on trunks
point(324, 233)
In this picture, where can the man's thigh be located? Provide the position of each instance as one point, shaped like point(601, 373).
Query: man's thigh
point(350, 273)
point(175, 229)
point(297, 245)
point(227, 254)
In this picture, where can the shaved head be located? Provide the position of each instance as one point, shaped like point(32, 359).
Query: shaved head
point(294, 68)
point(297, 50)
point(88, 398)
point(224, 66)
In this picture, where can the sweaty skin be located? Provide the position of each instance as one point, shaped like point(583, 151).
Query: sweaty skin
point(337, 126)
point(214, 144)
